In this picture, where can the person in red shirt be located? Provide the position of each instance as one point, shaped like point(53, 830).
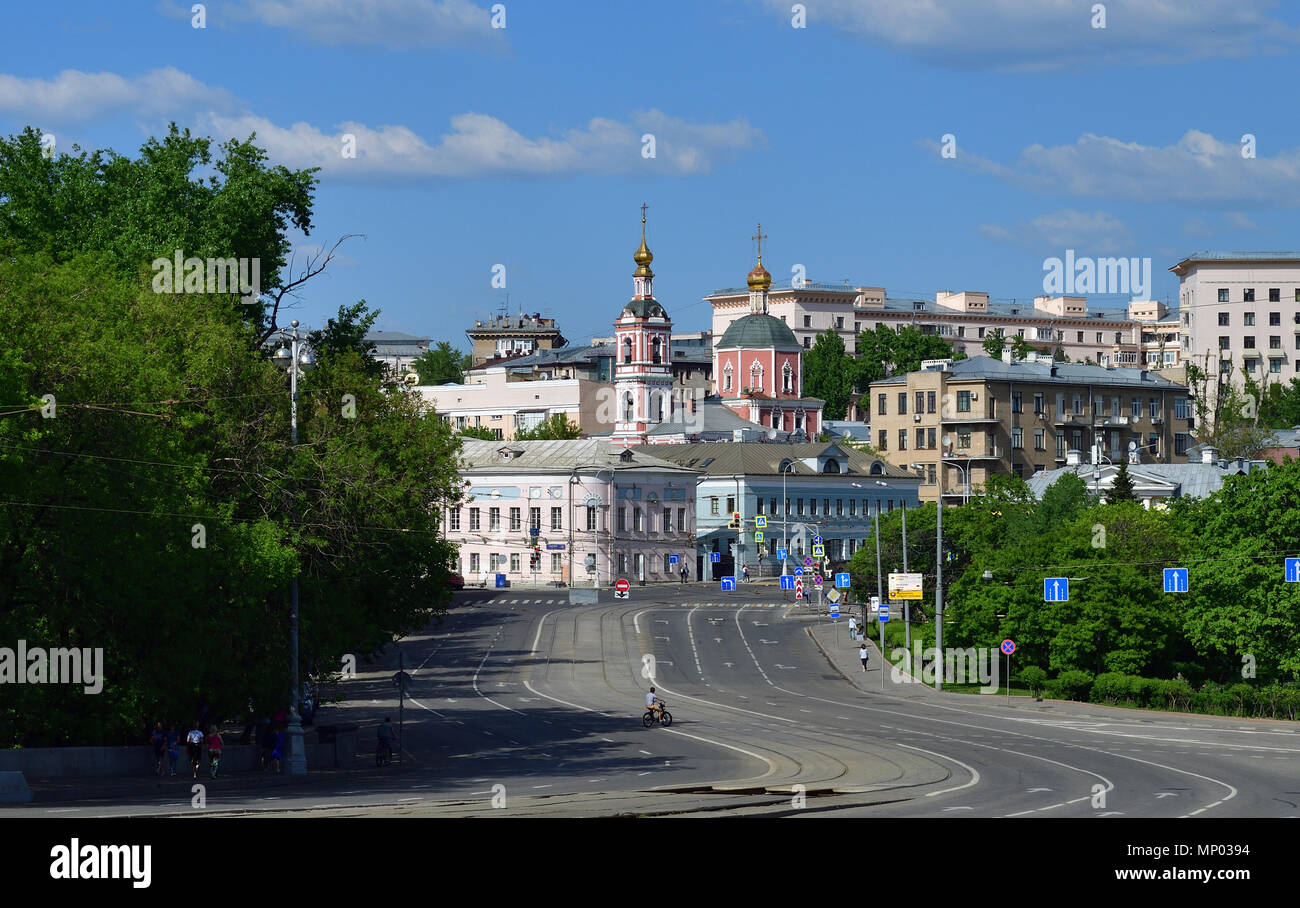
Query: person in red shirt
point(214, 750)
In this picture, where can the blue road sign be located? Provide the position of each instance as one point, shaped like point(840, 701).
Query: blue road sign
point(672, 559)
point(1293, 570)
point(842, 580)
point(715, 557)
point(501, 581)
point(534, 531)
point(817, 540)
point(835, 610)
point(1056, 589)
point(798, 572)
point(1175, 580)
point(781, 554)
point(807, 562)
point(883, 614)
point(760, 522)
point(819, 551)
point(787, 581)
point(1008, 646)
point(728, 583)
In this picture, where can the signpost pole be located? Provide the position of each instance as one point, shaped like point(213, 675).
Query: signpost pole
point(907, 603)
point(883, 660)
point(401, 700)
point(1008, 679)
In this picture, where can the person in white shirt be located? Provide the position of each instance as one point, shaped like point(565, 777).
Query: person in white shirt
point(862, 654)
point(853, 628)
point(652, 702)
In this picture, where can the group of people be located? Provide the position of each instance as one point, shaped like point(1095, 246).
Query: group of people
point(166, 746)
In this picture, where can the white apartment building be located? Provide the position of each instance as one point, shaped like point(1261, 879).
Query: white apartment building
point(505, 407)
point(579, 512)
point(1240, 311)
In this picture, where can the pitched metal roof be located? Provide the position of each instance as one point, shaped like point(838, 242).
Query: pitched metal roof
point(986, 368)
point(481, 456)
point(758, 331)
point(762, 459)
point(1196, 480)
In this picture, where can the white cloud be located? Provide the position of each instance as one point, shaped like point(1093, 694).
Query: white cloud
point(75, 96)
point(1049, 34)
point(1198, 169)
point(1238, 221)
point(479, 144)
point(1096, 233)
point(396, 24)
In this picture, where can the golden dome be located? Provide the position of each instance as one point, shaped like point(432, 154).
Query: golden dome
point(759, 279)
point(643, 256)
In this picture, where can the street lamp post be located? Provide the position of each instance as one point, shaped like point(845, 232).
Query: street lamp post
point(294, 360)
point(785, 519)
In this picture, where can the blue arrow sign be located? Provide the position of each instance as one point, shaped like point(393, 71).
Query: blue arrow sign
point(672, 559)
point(787, 581)
point(1293, 570)
point(715, 557)
point(798, 572)
point(1056, 589)
point(817, 540)
point(728, 583)
point(842, 580)
point(1175, 580)
point(781, 554)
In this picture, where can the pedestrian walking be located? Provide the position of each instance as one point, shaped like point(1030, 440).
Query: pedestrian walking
point(214, 751)
point(682, 571)
point(853, 628)
point(173, 747)
point(862, 654)
point(194, 747)
point(744, 571)
point(159, 741)
point(277, 748)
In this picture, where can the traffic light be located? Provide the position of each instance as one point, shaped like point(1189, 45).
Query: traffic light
point(532, 561)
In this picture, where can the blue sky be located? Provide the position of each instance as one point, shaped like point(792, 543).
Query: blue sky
point(522, 145)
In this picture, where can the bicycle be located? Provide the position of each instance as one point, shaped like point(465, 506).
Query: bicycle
point(383, 754)
point(660, 715)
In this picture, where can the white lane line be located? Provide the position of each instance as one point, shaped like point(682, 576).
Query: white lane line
point(483, 695)
point(647, 753)
point(771, 767)
point(695, 652)
point(974, 773)
point(557, 699)
point(540, 625)
point(751, 652)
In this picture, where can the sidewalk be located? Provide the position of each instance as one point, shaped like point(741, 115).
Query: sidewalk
point(842, 654)
point(117, 788)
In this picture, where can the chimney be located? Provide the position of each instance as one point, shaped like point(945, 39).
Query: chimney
point(1007, 356)
point(1072, 458)
point(1209, 455)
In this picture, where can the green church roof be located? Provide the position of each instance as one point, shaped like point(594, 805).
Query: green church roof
point(757, 331)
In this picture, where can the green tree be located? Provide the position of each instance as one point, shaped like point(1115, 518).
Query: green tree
point(176, 195)
point(478, 432)
point(345, 335)
point(995, 343)
point(556, 428)
point(1121, 489)
point(441, 365)
point(828, 373)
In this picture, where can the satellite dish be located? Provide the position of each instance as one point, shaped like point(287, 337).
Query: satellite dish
point(771, 434)
point(1132, 445)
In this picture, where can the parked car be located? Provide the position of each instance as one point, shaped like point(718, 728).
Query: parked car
point(456, 581)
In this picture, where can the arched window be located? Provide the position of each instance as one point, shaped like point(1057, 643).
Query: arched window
point(726, 377)
point(877, 469)
point(776, 419)
point(756, 377)
point(629, 410)
point(787, 378)
point(798, 420)
point(832, 466)
point(654, 351)
point(659, 408)
point(627, 349)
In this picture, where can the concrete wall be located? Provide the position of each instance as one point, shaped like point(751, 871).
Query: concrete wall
point(56, 762)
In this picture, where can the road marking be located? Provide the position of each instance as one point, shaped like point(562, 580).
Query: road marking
point(695, 652)
point(540, 625)
point(647, 753)
point(643, 773)
point(958, 808)
point(547, 785)
point(974, 773)
point(750, 651)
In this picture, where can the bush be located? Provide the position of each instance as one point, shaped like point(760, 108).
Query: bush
point(1033, 678)
point(1144, 691)
point(1110, 687)
point(1175, 694)
point(1243, 697)
point(1074, 684)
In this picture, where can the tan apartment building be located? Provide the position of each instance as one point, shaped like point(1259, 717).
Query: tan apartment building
point(957, 423)
point(512, 335)
point(965, 318)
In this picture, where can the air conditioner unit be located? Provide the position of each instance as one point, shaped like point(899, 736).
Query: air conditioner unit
point(974, 395)
point(916, 417)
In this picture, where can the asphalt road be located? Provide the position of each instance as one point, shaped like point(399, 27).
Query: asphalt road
point(526, 702)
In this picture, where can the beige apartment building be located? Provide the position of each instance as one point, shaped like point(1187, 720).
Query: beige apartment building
point(512, 335)
point(1241, 311)
point(957, 423)
point(964, 318)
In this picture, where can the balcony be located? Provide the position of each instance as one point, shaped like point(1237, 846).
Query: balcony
point(1111, 421)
